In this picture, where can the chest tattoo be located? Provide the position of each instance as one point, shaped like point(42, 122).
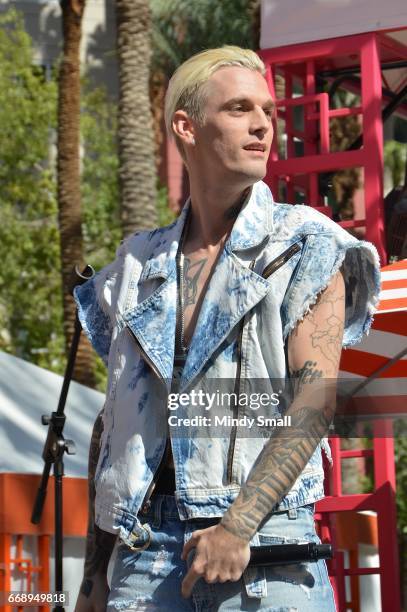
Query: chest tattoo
point(192, 272)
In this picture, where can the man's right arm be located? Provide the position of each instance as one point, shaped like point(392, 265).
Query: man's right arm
point(94, 589)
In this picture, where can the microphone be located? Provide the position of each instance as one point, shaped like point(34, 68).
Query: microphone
point(284, 554)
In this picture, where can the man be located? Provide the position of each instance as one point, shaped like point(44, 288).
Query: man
point(239, 289)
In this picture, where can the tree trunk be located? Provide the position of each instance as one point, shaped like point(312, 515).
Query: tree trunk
point(137, 173)
point(158, 87)
point(68, 165)
point(254, 10)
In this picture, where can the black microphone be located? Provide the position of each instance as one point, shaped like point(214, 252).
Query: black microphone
point(284, 554)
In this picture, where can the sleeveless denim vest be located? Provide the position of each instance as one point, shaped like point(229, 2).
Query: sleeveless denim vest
point(278, 258)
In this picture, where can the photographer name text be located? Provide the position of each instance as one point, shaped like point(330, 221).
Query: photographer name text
point(228, 421)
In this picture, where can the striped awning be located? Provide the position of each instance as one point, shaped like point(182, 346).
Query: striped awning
point(393, 295)
point(382, 354)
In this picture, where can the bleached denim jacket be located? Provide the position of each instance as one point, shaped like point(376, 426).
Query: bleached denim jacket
point(276, 261)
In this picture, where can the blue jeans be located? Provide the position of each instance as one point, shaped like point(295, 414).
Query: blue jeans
point(150, 580)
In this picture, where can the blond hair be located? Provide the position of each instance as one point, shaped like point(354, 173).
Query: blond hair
point(186, 89)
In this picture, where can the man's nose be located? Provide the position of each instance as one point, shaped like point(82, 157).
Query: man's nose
point(261, 121)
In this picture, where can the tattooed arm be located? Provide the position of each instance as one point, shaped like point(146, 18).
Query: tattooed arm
point(94, 589)
point(314, 350)
point(222, 552)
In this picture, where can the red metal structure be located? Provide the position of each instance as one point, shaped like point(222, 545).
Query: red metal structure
point(302, 64)
point(306, 68)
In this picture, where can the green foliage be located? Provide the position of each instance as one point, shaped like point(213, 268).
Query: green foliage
point(30, 284)
point(182, 28)
point(30, 295)
point(100, 188)
point(395, 155)
point(165, 214)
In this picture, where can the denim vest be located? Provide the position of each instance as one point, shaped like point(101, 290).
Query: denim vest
point(276, 261)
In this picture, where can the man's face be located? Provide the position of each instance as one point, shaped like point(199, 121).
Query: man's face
point(234, 142)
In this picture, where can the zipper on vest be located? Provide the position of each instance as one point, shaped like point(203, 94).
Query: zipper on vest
point(233, 433)
point(272, 267)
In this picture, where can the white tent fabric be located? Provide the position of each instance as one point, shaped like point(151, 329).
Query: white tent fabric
point(27, 392)
point(296, 21)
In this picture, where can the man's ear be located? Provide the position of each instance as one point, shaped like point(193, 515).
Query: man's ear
point(183, 127)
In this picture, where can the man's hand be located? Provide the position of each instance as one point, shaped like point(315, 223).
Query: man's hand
point(219, 556)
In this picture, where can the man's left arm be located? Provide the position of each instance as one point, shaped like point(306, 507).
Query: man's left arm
point(314, 348)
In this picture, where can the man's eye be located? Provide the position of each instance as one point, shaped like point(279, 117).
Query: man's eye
point(237, 108)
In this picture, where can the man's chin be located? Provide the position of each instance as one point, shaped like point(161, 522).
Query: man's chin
point(253, 173)
point(243, 175)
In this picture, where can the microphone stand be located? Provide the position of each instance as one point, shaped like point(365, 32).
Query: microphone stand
point(54, 448)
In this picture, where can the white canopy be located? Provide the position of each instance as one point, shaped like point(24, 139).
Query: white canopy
point(287, 22)
point(27, 392)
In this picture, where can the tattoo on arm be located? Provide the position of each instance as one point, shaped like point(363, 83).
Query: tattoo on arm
point(304, 375)
point(278, 466)
point(286, 454)
point(324, 335)
point(99, 543)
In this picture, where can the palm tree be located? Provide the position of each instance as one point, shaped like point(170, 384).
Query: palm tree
point(182, 28)
point(68, 166)
point(137, 171)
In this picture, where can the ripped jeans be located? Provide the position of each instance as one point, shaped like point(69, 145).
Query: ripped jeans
point(150, 579)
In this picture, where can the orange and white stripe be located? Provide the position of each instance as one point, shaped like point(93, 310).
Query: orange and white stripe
point(386, 394)
point(393, 294)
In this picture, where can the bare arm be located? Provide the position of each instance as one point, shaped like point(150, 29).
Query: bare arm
point(314, 350)
point(94, 589)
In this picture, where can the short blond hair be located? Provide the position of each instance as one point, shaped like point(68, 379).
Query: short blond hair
point(186, 89)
